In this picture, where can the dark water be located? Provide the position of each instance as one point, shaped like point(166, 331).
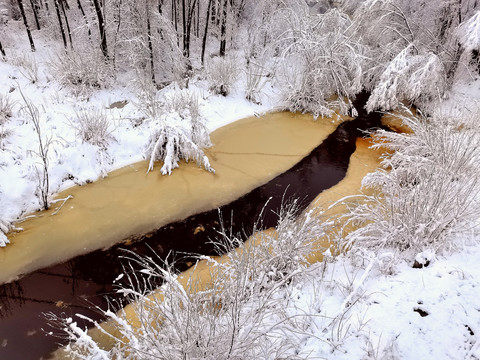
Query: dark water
point(86, 281)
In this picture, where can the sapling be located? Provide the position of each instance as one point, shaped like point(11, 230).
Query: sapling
point(44, 144)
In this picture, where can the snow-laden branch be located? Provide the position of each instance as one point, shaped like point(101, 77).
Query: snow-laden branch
point(468, 33)
point(408, 77)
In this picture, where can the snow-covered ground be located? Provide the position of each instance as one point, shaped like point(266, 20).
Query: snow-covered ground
point(427, 313)
point(72, 161)
point(415, 313)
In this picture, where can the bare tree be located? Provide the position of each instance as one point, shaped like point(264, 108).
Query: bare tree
point(43, 147)
point(223, 28)
point(34, 5)
point(207, 21)
point(79, 4)
point(2, 51)
point(62, 4)
point(27, 27)
point(149, 39)
point(101, 28)
point(60, 23)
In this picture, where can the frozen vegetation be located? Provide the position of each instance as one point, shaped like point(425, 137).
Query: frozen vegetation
point(93, 86)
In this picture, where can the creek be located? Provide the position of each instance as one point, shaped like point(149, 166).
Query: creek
point(86, 281)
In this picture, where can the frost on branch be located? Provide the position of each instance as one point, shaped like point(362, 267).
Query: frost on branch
point(408, 76)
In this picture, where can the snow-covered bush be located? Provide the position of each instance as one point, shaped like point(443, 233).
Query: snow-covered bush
point(257, 75)
point(171, 143)
point(468, 33)
point(83, 71)
point(3, 230)
point(428, 189)
point(222, 72)
point(6, 108)
point(93, 126)
point(322, 59)
point(27, 66)
point(408, 77)
point(235, 314)
point(178, 130)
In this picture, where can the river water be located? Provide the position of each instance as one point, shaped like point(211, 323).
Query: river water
point(77, 285)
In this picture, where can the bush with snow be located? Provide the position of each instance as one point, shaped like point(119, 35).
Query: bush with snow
point(428, 189)
point(222, 72)
point(81, 71)
point(93, 126)
point(240, 314)
point(408, 77)
point(6, 108)
point(4, 228)
point(177, 130)
point(322, 60)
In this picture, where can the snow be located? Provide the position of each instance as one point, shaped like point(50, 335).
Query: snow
point(72, 161)
point(354, 312)
point(390, 308)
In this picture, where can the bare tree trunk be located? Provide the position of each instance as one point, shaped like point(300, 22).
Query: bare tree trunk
point(204, 40)
point(118, 19)
point(101, 27)
point(66, 22)
point(2, 51)
point(150, 46)
point(198, 20)
point(62, 30)
point(184, 29)
point(35, 13)
point(223, 29)
point(188, 27)
point(22, 11)
point(47, 7)
point(85, 18)
point(175, 18)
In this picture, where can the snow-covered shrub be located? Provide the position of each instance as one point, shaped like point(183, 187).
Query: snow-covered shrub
point(468, 32)
point(44, 143)
point(4, 227)
point(428, 189)
point(222, 72)
point(233, 315)
point(257, 76)
point(93, 126)
point(27, 66)
point(170, 143)
point(409, 76)
point(183, 102)
point(84, 70)
point(178, 130)
point(6, 108)
point(322, 59)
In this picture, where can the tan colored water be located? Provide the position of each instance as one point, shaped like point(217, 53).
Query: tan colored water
point(130, 202)
point(363, 161)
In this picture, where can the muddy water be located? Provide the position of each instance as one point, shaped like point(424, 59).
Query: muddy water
point(74, 286)
point(130, 202)
point(362, 161)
